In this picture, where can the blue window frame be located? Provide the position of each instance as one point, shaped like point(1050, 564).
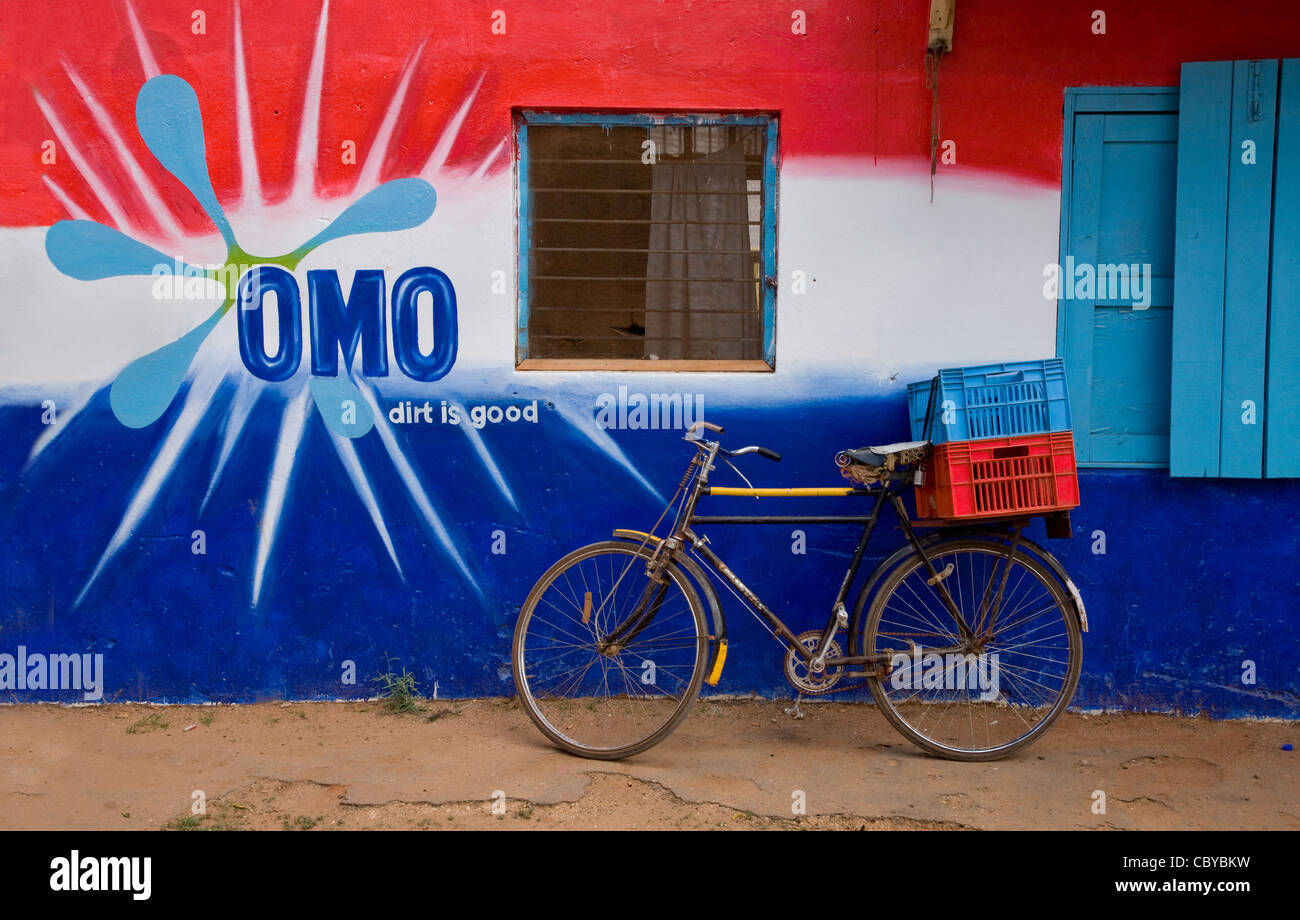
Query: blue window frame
point(646, 236)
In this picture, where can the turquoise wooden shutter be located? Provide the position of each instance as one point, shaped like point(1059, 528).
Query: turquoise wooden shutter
point(1219, 402)
point(1283, 432)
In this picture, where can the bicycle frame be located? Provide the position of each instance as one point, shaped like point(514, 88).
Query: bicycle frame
point(683, 540)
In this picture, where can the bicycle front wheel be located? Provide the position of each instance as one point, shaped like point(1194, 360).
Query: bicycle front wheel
point(591, 689)
point(981, 696)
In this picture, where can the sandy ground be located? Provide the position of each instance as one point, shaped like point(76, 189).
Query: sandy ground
point(730, 765)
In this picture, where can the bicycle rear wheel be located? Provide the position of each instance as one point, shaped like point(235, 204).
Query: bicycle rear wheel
point(609, 702)
point(982, 698)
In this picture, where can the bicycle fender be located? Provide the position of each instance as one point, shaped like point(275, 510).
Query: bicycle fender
point(705, 587)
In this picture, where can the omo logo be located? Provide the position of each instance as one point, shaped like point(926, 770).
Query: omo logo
point(359, 323)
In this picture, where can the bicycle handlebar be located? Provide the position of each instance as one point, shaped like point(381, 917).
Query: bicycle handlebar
point(692, 434)
point(755, 449)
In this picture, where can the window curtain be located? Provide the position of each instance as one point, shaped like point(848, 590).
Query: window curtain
point(701, 296)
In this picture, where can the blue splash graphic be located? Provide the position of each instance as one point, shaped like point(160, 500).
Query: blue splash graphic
point(88, 251)
point(397, 205)
point(171, 126)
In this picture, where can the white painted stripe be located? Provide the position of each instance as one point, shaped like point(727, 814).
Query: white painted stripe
point(411, 480)
point(438, 159)
point(377, 156)
point(304, 186)
point(106, 198)
point(147, 60)
point(277, 486)
point(158, 209)
point(73, 209)
point(250, 182)
point(352, 464)
point(165, 460)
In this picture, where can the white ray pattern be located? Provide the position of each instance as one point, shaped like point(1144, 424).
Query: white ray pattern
point(485, 457)
point(74, 210)
point(148, 191)
point(277, 487)
point(202, 388)
point(241, 406)
point(415, 489)
point(378, 153)
point(480, 173)
point(106, 198)
point(304, 169)
point(352, 464)
point(63, 416)
point(586, 424)
point(250, 183)
point(441, 150)
point(147, 60)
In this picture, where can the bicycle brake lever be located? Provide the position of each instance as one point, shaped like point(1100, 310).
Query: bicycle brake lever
point(739, 473)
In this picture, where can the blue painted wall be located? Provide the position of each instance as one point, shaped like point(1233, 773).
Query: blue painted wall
point(1197, 576)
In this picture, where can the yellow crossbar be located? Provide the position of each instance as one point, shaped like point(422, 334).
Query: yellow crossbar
point(783, 493)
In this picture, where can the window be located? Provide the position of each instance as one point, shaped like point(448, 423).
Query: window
point(646, 242)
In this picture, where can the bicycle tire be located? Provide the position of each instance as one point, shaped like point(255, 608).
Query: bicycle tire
point(590, 718)
point(896, 606)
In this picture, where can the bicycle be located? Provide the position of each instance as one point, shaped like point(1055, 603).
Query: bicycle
point(968, 638)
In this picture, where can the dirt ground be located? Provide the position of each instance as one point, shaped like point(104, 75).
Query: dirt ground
point(730, 765)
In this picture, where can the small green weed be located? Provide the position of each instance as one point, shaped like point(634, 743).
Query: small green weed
point(398, 692)
point(147, 724)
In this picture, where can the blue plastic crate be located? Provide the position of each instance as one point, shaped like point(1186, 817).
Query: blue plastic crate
point(993, 401)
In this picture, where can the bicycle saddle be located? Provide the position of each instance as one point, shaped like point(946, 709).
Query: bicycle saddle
point(888, 455)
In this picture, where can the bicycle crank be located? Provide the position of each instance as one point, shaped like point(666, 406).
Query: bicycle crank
point(802, 677)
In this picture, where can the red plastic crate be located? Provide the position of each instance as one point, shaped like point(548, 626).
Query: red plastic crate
point(1000, 477)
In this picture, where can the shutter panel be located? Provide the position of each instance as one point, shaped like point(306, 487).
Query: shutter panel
point(1226, 136)
point(1200, 247)
point(1283, 430)
point(1245, 307)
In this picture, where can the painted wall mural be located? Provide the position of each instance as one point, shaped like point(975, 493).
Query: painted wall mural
point(262, 422)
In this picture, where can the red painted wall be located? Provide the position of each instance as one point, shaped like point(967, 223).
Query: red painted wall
point(852, 86)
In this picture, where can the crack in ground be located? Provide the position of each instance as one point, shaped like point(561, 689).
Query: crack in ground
point(609, 800)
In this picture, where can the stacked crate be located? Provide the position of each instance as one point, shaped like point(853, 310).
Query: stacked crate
point(1003, 446)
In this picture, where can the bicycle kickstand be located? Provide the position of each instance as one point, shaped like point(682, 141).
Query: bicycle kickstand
point(794, 710)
